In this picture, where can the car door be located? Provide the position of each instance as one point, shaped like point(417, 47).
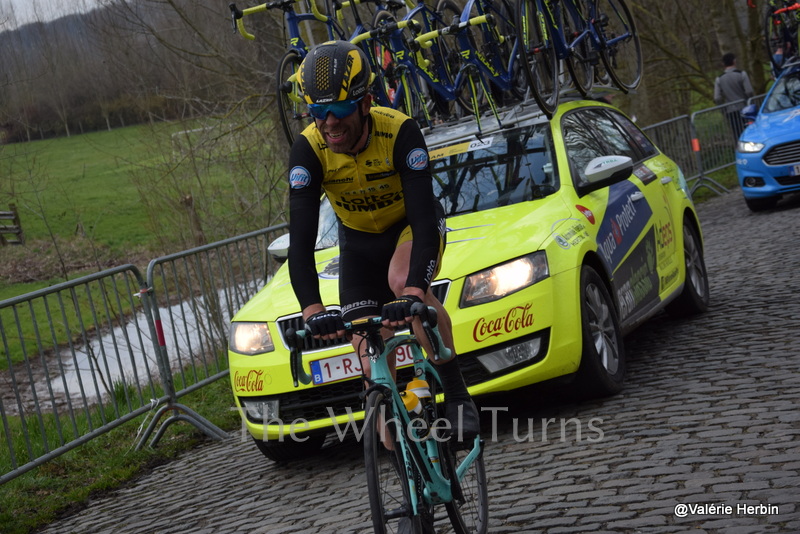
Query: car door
point(626, 237)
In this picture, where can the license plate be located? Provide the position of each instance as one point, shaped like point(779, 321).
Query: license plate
point(794, 170)
point(348, 365)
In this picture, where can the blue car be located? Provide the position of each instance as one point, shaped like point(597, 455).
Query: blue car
point(768, 152)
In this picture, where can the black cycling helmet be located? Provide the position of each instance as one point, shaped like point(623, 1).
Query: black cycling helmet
point(334, 71)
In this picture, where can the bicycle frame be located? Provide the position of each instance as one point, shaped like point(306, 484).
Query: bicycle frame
point(423, 454)
point(490, 66)
point(292, 18)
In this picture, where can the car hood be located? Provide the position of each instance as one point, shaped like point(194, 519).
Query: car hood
point(774, 127)
point(475, 241)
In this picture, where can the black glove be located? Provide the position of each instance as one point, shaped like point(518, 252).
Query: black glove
point(326, 322)
point(400, 308)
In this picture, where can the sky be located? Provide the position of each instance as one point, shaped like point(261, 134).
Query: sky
point(15, 13)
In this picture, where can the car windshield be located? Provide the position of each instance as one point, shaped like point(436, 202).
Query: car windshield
point(505, 168)
point(498, 170)
point(785, 94)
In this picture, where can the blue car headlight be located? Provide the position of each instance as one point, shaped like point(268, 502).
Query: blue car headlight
point(749, 147)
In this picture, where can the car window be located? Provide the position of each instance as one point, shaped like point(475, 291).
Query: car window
point(591, 133)
point(508, 167)
point(785, 94)
point(646, 148)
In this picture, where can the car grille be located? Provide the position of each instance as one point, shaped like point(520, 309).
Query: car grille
point(313, 403)
point(316, 402)
point(295, 322)
point(788, 180)
point(786, 154)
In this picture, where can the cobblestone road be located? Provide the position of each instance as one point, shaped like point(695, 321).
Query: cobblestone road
point(705, 437)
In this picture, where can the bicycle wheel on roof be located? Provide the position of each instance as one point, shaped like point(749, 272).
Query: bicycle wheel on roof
point(292, 108)
point(621, 50)
point(538, 55)
point(582, 54)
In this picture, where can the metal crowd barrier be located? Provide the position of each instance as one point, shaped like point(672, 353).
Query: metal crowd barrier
point(674, 138)
point(702, 143)
point(86, 356)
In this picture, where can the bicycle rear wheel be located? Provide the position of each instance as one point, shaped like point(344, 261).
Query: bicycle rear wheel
point(469, 510)
point(579, 61)
point(621, 50)
point(538, 55)
point(292, 109)
point(389, 494)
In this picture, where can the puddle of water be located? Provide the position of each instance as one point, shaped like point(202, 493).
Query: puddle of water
point(126, 354)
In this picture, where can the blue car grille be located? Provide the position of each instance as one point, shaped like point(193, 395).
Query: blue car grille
point(788, 180)
point(439, 289)
point(786, 154)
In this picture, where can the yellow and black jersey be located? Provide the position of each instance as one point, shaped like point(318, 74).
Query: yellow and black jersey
point(385, 183)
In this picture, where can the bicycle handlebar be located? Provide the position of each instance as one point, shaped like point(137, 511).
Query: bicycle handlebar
point(426, 39)
point(237, 15)
point(386, 29)
point(295, 339)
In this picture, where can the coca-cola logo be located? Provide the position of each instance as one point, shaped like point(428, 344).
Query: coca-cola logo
point(516, 319)
point(252, 381)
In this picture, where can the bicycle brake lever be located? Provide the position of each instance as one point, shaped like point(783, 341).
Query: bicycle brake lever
point(236, 14)
point(295, 339)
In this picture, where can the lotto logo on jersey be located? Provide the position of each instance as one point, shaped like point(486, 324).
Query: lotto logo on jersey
point(299, 178)
point(417, 159)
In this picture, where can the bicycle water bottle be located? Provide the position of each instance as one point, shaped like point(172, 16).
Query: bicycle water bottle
point(412, 403)
point(420, 389)
point(421, 393)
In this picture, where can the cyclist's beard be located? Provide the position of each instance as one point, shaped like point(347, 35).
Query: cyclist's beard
point(344, 136)
point(364, 119)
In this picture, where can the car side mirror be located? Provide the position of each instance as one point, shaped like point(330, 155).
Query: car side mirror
point(608, 168)
point(279, 248)
point(749, 113)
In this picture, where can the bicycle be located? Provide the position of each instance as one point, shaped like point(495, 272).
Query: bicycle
point(588, 29)
point(423, 63)
point(781, 34)
point(410, 467)
point(494, 49)
point(293, 113)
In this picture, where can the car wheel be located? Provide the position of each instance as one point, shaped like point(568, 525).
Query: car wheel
point(694, 297)
point(290, 449)
point(602, 369)
point(761, 204)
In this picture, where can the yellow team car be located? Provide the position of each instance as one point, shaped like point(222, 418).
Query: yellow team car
point(563, 236)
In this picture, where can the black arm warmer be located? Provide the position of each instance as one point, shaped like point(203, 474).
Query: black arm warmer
point(303, 221)
point(420, 208)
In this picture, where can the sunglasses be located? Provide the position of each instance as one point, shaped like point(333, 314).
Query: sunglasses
point(340, 110)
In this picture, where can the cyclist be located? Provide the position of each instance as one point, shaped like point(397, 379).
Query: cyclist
point(372, 163)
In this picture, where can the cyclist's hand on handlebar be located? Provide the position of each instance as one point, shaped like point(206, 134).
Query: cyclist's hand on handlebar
point(326, 324)
point(398, 312)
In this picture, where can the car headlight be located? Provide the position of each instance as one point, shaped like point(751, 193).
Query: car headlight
point(250, 338)
point(748, 147)
point(504, 279)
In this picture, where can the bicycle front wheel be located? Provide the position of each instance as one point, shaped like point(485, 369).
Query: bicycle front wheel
point(538, 56)
point(621, 50)
point(292, 109)
point(469, 510)
point(387, 482)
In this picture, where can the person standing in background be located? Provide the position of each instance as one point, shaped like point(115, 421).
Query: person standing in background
point(733, 88)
